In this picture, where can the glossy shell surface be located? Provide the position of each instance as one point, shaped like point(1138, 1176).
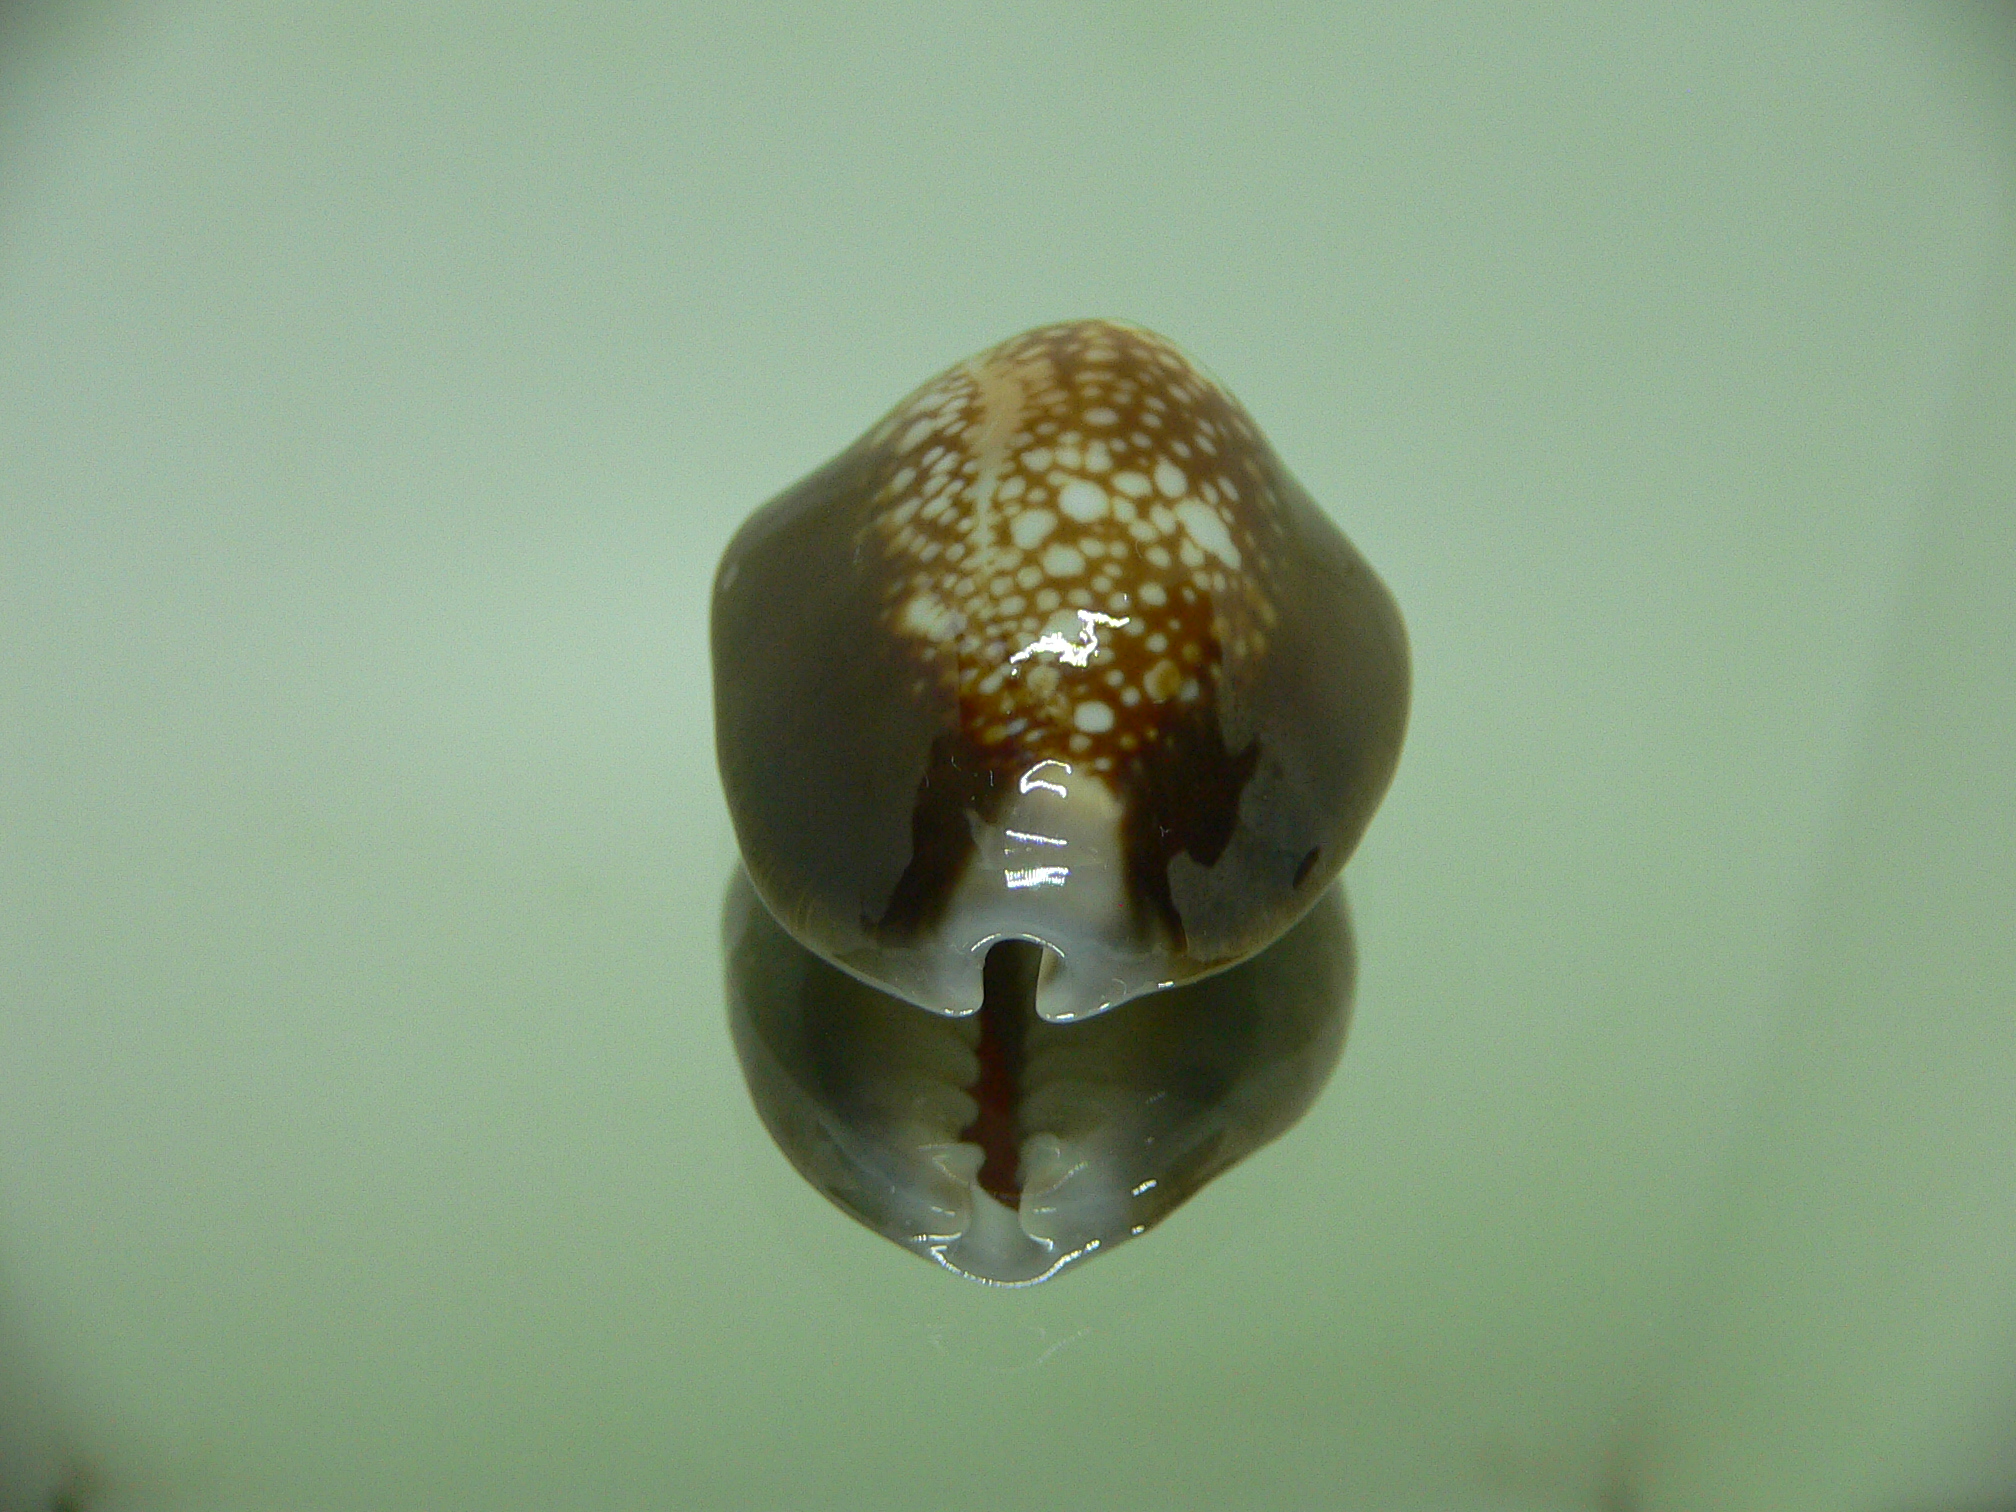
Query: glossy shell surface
point(1058, 651)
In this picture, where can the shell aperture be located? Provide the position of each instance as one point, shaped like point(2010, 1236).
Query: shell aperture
point(1051, 692)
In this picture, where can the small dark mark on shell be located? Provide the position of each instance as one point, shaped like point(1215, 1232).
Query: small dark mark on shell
point(1306, 865)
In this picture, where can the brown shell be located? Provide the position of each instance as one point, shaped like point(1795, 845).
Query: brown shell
point(1072, 548)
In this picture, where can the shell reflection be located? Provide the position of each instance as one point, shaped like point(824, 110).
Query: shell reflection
point(1006, 1147)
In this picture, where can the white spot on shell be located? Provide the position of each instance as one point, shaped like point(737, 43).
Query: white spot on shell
point(1093, 717)
point(1063, 561)
point(1030, 527)
point(1208, 531)
point(925, 615)
point(1170, 479)
point(1063, 625)
point(1083, 501)
point(1162, 681)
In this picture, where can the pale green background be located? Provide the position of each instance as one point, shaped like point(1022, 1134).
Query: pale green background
point(378, 384)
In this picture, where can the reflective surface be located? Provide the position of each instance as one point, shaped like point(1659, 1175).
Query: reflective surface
point(379, 388)
point(1112, 1123)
